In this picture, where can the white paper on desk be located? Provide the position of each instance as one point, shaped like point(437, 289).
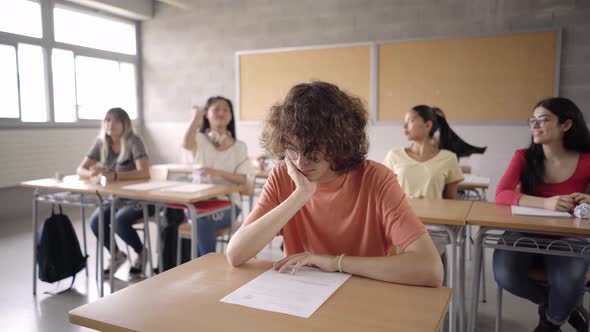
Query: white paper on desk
point(470, 178)
point(151, 185)
point(529, 211)
point(299, 294)
point(188, 188)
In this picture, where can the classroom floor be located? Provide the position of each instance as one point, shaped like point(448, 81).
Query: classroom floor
point(21, 311)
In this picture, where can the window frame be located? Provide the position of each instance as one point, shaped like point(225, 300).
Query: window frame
point(48, 43)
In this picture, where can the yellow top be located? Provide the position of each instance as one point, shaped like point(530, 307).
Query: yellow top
point(424, 179)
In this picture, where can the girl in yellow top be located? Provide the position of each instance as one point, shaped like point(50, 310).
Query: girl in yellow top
point(429, 168)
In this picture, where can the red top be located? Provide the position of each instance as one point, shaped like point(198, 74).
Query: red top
point(507, 194)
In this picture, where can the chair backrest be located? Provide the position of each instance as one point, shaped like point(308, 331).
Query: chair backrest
point(159, 172)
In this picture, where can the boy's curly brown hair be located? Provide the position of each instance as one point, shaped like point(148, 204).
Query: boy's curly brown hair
point(318, 116)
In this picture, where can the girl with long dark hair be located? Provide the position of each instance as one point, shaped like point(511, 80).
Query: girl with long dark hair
point(552, 173)
point(428, 168)
point(211, 143)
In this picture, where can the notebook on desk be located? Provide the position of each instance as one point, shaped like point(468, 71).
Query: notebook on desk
point(529, 211)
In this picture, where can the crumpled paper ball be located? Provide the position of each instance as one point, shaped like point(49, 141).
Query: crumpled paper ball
point(582, 211)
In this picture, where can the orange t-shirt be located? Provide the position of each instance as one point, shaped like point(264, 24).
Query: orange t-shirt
point(360, 213)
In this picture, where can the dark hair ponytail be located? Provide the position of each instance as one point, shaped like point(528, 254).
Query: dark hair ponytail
point(448, 140)
point(577, 139)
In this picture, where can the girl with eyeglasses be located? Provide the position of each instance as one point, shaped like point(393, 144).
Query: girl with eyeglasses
point(552, 173)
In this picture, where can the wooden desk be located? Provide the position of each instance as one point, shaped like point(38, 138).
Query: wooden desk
point(473, 185)
point(495, 218)
point(177, 168)
point(188, 169)
point(69, 183)
point(81, 188)
point(500, 217)
point(186, 298)
point(477, 184)
point(441, 211)
point(448, 216)
point(158, 197)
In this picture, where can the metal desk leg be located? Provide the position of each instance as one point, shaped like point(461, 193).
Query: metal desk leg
point(192, 215)
point(476, 279)
point(147, 247)
point(35, 194)
point(483, 277)
point(100, 251)
point(452, 278)
point(114, 203)
point(159, 245)
point(83, 216)
point(462, 258)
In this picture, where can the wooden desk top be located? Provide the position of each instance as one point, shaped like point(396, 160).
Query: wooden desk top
point(69, 183)
point(117, 189)
point(441, 211)
point(186, 298)
point(177, 168)
point(500, 216)
point(74, 184)
point(473, 185)
point(188, 169)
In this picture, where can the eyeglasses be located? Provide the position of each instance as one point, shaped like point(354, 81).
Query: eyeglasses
point(315, 156)
point(541, 121)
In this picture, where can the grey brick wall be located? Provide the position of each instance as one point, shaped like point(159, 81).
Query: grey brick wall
point(189, 54)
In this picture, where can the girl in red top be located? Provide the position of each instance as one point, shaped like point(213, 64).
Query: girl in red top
point(553, 173)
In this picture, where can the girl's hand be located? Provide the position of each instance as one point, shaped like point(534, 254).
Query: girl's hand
point(293, 263)
point(563, 203)
point(96, 170)
point(207, 171)
point(580, 198)
point(199, 114)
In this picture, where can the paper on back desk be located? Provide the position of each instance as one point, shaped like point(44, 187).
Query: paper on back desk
point(149, 185)
point(188, 188)
point(300, 294)
point(470, 178)
point(529, 211)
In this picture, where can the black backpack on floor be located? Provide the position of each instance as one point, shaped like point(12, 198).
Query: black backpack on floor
point(58, 251)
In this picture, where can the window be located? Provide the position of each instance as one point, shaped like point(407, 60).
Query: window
point(32, 83)
point(104, 84)
point(21, 17)
point(74, 27)
point(8, 83)
point(64, 85)
point(88, 67)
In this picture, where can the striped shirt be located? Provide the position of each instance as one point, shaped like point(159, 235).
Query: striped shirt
point(136, 150)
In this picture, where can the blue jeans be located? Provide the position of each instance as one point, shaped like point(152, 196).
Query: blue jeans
point(207, 230)
point(566, 280)
point(125, 217)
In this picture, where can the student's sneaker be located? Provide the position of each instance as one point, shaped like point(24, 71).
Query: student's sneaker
point(116, 261)
point(578, 319)
point(139, 265)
